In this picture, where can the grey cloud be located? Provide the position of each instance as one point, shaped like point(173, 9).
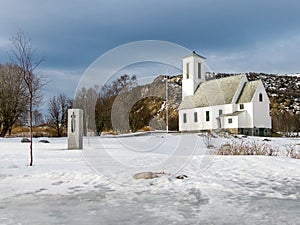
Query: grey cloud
point(74, 33)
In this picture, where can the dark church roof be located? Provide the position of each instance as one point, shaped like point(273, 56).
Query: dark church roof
point(195, 54)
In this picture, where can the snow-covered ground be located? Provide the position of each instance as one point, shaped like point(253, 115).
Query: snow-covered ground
point(96, 185)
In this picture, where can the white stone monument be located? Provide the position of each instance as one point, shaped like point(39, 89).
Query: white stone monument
point(75, 128)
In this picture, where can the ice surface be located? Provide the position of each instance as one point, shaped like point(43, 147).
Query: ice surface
point(96, 185)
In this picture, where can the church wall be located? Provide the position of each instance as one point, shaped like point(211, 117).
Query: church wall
point(234, 122)
point(246, 119)
point(261, 116)
point(202, 124)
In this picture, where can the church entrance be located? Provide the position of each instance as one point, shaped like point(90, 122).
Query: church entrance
point(261, 132)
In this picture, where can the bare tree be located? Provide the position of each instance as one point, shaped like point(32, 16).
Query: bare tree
point(105, 100)
point(57, 111)
point(12, 97)
point(24, 56)
point(37, 118)
point(85, 99)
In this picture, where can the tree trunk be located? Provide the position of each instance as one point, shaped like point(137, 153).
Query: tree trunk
point(57, 128)
point(4, 130)
point(31, 131)
point(58, 131)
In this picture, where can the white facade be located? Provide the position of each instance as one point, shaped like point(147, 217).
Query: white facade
point(261, 113)
point(243, 107)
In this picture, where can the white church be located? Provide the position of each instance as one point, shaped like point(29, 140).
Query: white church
point(232, 103)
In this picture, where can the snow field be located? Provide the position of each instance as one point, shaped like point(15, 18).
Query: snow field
point(96, 185)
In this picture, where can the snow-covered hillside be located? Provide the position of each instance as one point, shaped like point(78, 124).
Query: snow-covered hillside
point(96, 185)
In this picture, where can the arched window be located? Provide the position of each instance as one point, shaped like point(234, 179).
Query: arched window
point(260, 97)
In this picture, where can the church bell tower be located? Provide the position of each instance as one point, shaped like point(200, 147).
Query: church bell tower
point(193, 73)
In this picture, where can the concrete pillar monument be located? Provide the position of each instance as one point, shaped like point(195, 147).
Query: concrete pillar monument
point(75, 128)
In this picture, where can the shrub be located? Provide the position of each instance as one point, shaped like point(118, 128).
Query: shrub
point(244, 148)
point(293, 151)
point(145, 128)
point(207, 139)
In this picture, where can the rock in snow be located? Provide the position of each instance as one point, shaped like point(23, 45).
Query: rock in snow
point(147, 175)
point(25, 140)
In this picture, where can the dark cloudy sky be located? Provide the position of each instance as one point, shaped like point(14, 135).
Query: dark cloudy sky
point(234, 35)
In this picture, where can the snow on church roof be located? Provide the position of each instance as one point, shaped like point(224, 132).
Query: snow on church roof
point(214, 92)
point(248, 91)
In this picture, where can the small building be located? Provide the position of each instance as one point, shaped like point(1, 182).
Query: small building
point(232, 103)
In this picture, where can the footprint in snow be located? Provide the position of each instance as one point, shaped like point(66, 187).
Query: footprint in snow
point(57, 183)
point(76, 188)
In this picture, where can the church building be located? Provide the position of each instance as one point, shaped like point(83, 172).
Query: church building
point(232, 103)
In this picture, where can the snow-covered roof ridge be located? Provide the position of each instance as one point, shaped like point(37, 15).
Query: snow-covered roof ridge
point(214, 92)
point(248, 91)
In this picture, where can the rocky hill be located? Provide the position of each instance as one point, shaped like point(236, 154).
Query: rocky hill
point(145, 105)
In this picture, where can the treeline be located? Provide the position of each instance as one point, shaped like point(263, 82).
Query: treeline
point(107, 106)
point(287, 123)
point(13, 97)
point(15, 104)
point(97, 104)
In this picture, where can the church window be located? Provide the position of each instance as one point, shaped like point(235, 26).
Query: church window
point(199, 70)
point(187, 70)
point(184, 118)
point(241, 106)
point(207, 115)
point(230, 120)
point(220, 112)
point(195, 117)
point(260, 97)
